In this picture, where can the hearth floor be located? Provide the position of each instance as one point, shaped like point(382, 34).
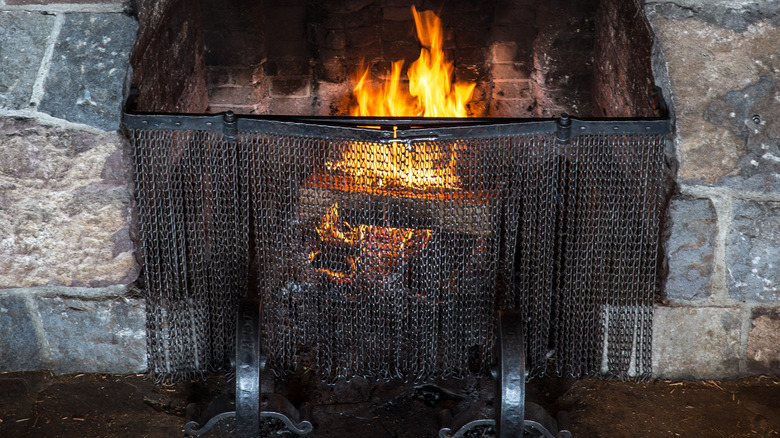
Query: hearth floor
point(38, 404)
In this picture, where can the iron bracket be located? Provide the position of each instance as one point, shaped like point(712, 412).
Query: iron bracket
point(510, 378)
point(563, 131)
point(230, 126)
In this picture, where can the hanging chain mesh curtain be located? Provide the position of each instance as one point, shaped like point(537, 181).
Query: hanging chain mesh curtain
point(386, 259)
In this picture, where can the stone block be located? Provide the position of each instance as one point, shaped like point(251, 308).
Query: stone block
point(752, 115)
point(64, 201)
point(706, 63)
point(88, 69)
point(753, 252)
point(735, 15)
point(763, 349)
point(696, 342)
point(20, 346)
point(105, 335)
point(24, 36)
point(691, 249)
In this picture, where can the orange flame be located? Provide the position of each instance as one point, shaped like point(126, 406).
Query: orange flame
point(396, 169)
point(431, 91)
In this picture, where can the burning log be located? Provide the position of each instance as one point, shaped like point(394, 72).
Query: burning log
point(470, 214)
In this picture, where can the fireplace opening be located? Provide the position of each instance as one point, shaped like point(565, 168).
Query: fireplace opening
point(527, 58)
point(383, 244)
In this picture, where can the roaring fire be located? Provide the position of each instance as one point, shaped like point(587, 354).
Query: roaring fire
point(431, 92)
point(420, 170)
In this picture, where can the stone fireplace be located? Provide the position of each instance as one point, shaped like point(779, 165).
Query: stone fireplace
point(69, 300)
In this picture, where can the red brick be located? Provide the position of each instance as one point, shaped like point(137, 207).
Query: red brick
point(509, 71)
point(291, 86)
point(511, 108)
point(503, 52)
point(504, 90)
point(233, 96)
point(296, 106)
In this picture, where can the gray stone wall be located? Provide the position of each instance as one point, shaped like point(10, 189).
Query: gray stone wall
point(721, 68)
point(66, 254)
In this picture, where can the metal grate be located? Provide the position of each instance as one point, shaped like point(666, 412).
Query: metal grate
point(388, 252)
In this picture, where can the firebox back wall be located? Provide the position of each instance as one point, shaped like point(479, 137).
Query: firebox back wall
point(297, 57)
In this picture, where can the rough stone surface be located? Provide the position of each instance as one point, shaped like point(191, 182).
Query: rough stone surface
point(20, 61)
point(763, 349)
point(88, 69)
point(170, 45)
point(753, 252)
point(732, 14)
point(20, 348)
point(86, 335)
point(696, 342)
point(691, 249)
point(623, 82)
point(64, 207)
point(717, 75)
point(752, 114)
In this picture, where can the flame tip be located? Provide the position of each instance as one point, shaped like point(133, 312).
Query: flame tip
point(430, 92)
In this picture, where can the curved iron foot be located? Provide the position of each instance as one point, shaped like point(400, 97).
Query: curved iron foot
point(510, 407)
point(531, 429)
point(446, 432)
point(193, 427)
point(301, 428)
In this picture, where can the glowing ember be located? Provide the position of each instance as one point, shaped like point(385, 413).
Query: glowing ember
point(376, 250)
point(431, 91)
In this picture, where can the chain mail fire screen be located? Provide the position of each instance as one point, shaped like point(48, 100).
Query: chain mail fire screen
point(385, 247)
